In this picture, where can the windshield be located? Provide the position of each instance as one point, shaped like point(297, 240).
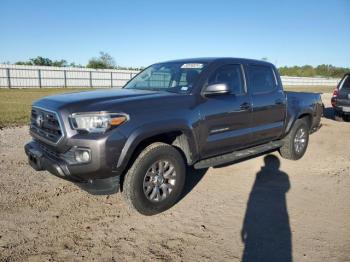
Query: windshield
point(171, 77)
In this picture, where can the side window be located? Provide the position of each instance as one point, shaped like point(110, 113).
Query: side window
point(346, 84)
point(231, 75)
point(261, 79)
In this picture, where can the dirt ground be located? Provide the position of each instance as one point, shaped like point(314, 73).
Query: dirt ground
point(263, 209)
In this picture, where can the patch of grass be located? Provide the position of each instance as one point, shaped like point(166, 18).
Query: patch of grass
point(15, 104)
point(316, 89)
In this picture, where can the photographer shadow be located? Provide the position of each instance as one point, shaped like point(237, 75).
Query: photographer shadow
point(266, 231)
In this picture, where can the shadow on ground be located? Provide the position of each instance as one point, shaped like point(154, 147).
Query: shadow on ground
point(193, 177)
point(266, 232)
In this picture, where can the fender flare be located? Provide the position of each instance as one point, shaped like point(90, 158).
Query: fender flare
point(158, 128)
point(307, 111)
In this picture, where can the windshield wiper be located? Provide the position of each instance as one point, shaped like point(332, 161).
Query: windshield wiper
point(153, 89)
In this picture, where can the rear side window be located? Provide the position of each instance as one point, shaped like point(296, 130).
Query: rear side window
point(346, 83)
point(261, 79)
point(231, 75)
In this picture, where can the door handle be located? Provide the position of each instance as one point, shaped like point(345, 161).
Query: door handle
point(245, 106)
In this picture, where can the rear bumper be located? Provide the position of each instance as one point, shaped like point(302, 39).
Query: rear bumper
point(341, 106)
point(40, 160)
point(340, 111)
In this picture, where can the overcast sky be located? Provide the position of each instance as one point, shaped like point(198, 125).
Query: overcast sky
point(138, 33)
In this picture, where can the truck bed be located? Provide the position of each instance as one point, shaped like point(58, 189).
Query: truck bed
point(307, 101)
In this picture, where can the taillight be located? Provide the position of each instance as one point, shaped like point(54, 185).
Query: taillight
point(334, 97)
point(335, 92)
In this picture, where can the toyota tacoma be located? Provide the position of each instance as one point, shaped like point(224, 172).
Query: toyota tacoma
point(172, 116)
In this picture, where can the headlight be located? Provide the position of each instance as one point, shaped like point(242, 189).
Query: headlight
point(97, 122)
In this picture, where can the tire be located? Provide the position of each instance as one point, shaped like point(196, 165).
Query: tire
point(290, 149)
point(149, 186)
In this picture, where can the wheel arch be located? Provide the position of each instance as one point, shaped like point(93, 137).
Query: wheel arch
point(307, 114)
point(179, 136)
point(308, 117)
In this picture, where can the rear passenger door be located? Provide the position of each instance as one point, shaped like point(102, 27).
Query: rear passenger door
point(268, 103)
point(225, 118)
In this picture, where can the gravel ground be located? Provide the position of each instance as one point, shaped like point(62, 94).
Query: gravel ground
point(266, 208)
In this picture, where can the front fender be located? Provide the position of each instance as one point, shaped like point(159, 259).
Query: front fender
point(157, 128)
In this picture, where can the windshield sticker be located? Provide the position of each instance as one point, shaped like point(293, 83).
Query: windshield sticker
point(184, 88)
point(192, 65)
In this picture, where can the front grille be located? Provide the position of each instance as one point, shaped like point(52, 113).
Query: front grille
point(46, 125)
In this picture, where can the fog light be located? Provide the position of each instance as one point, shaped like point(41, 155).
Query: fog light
point(82, 156)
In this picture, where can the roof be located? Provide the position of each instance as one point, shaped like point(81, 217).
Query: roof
point(216, 59)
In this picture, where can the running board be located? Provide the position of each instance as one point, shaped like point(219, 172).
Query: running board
point(237, 155)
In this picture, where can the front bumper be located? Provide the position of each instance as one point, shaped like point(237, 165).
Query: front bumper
point(85, 176)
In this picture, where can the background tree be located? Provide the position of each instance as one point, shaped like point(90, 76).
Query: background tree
point(23, 63)
point(60, 63)
point(43, 61)
point(104, 61)
point(310, 71)
point(72, 64)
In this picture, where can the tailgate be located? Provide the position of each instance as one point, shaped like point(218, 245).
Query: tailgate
point(343, 102)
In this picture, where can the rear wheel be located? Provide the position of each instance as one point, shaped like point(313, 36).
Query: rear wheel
point(296, 142)
point(155, 180)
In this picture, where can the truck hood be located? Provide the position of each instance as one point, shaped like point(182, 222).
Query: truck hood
point(81, 99)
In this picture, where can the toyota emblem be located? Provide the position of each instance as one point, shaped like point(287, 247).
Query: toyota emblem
point(39, 120)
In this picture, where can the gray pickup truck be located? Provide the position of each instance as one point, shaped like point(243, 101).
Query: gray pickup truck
point(191, 113)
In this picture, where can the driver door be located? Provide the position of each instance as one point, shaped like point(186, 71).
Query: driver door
point(225, 124)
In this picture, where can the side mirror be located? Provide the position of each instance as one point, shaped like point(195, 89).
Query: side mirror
point(216, 89)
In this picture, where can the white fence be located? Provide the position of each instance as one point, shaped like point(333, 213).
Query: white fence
point(19, 76)
point(309, 81)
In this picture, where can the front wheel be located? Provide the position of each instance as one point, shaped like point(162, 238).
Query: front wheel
point(296, 142)
point(155, 180)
